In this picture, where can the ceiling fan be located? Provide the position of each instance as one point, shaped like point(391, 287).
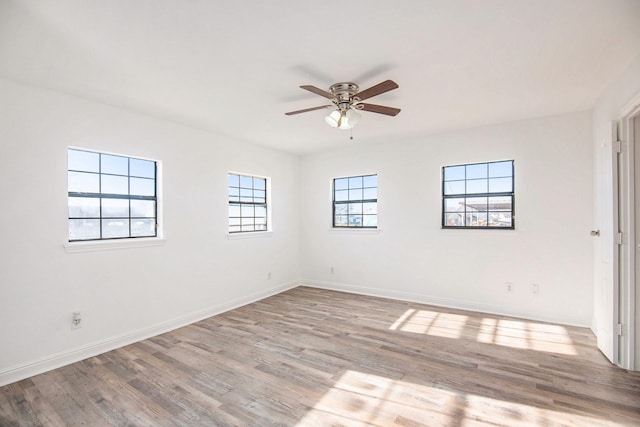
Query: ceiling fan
point(347, 98)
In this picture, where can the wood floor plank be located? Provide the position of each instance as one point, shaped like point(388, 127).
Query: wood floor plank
point(313, 357)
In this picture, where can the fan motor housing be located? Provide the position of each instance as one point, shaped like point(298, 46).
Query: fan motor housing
point(344, 90)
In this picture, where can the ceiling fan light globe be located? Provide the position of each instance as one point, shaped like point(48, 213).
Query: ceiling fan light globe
point(333, 119)
point(353, 117)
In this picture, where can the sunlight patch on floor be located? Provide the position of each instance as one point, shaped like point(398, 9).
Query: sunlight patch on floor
point(526, 335)
point(359, 398)
point(503, 332)
point(430, 323)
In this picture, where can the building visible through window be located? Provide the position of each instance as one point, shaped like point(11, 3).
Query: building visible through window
point(479, 195)
point(110, 196)
point(355, 202)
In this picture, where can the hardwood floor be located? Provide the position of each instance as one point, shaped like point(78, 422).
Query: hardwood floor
point(310, 357)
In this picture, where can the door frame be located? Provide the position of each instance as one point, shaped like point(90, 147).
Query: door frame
point(627, 287)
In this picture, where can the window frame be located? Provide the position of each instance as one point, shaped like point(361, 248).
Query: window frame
point(487, 194)
point(116, 241)
point(335, 202)
point(266, 204)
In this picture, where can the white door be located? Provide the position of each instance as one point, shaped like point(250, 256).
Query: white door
point(606, 307)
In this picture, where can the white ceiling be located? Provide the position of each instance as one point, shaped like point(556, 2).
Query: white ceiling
point(234, 67)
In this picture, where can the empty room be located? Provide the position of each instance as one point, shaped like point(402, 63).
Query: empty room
point(337, 213)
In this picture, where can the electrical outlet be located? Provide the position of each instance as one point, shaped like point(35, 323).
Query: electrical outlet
point(535, 288)
point(269, 276)
point(331, 270)
point(76, 320)
point(509, 286)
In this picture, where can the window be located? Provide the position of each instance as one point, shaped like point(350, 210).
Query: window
point(247, 203)
point(478, 195)
point(355, 202)
point(110, 196)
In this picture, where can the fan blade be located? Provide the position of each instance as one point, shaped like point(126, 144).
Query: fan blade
point(318, 91)
point(291, 113)
point(383, 87)
point(380, 109)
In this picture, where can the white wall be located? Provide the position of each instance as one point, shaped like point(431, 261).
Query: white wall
point(611, 106)
point(124, 294)
point(413, 258)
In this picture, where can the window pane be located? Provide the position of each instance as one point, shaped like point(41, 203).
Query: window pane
point(342, 195)
point(246, 211)
point(476, 186)
point(501, 169)
point(83, 161)
point(234, 180)
point(499, 219)
point(234, 210)
point(234, 229)
point(234, 221)
point(370, 220)
point(246, 195)
point(84, 207)
point(114, 164)
point(143, 187)
point(454, 173)
point(142, 168)
point(115, 208)
point(234, 194)
point(355, 208)
point(454, 205)
point(342, 209)
point(355, 220)
point(112, 228)
point(143, 208)
point(261, 221)
point(259, 196)
point(80, 182)
point(453, 220)
point(370, 208)
point(355, 182)
point(370, 194)
point(84, 229)
point(246, 181)
point(260, 211)
point(143, 227)
point(500, 185)
point(246, 221)
point(476, 204)
point(370, 181)
point(355, 194)
point(112, 184)
point(476, 171)
point(341, 184)
point(476, 219)
point(341, 220)
point(248, 227)
point(259, 184)
point(454, 187)
point(500, 204)
point(261, 227)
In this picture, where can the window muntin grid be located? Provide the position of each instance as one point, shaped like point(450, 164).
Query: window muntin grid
point(110, 196)
point(247, 203)
point(478, 195)
point(355, 202)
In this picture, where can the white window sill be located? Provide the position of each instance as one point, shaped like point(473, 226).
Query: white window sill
point(355, 230)
point(105, 245)
point(249, 235)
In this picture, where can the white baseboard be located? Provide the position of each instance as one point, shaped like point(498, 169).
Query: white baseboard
point(26, 370)
point(432, 300)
